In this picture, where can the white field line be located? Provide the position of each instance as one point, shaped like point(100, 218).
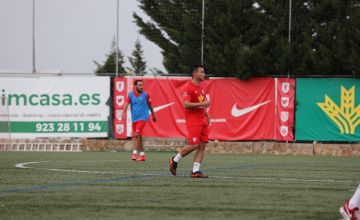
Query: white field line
point(24, 166)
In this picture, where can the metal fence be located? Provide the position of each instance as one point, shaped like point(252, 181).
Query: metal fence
point(197, 16)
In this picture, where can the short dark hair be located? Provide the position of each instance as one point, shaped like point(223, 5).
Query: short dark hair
point(195, 67)
point(136, 82)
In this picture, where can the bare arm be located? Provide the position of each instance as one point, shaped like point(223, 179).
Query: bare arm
point(125, 109)
point(152, 112)
point(207, 116)
point(204, 104)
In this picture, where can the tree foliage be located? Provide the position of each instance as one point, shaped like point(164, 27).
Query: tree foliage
point(108, 67)
point(245, 38)
point(137, 61)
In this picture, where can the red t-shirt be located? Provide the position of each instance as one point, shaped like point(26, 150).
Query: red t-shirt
point(195, 94)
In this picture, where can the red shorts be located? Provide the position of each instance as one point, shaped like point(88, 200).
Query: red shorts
point(137, 127)
point(198, 134)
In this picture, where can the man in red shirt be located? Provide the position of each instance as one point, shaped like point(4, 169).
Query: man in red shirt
point(197, 122)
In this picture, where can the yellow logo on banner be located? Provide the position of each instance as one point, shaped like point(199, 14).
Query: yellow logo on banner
point(346, 117)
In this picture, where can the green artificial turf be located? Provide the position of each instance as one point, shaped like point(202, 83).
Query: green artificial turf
point(108, 185)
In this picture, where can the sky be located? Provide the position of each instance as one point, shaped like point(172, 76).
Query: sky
point(69, 34)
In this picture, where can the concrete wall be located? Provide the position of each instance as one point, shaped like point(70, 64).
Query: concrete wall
point(258, 147)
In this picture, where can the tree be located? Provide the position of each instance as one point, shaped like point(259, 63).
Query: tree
point(156, 71)
point(137, 60)
point(109, 66)
point(326, 40)
point(175, 29)
point(250, 37)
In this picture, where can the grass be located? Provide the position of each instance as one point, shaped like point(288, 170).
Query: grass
point(114, 187)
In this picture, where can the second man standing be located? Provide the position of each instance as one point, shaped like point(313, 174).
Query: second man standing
point(140, 105)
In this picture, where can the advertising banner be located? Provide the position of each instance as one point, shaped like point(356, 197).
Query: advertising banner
point(328, 109)
point(34, 107)
point(240, 110)
point(120, 96)
point(285, 95)
point(167, 103)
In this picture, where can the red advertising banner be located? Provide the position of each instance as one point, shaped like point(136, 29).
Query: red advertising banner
point(285, 109)
point(120, 95)
point(167, 105)
point(240, 110)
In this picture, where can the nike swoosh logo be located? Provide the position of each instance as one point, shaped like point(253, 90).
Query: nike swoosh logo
point(239, 112)
point(161, 107)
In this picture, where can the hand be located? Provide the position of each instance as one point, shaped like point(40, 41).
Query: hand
point(123, 115)
point(154, 118)
point(206, 104)
point(208, 118)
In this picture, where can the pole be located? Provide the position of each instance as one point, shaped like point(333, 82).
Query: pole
point(202, 32)
point(290, 10)
point(33, 39)
point(289, 34)
point(117, 38)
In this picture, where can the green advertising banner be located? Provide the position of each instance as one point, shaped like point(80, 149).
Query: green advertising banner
point(327, 109)
point(54, 106)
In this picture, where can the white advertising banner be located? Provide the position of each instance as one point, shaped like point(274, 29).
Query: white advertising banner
point(35, 107)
